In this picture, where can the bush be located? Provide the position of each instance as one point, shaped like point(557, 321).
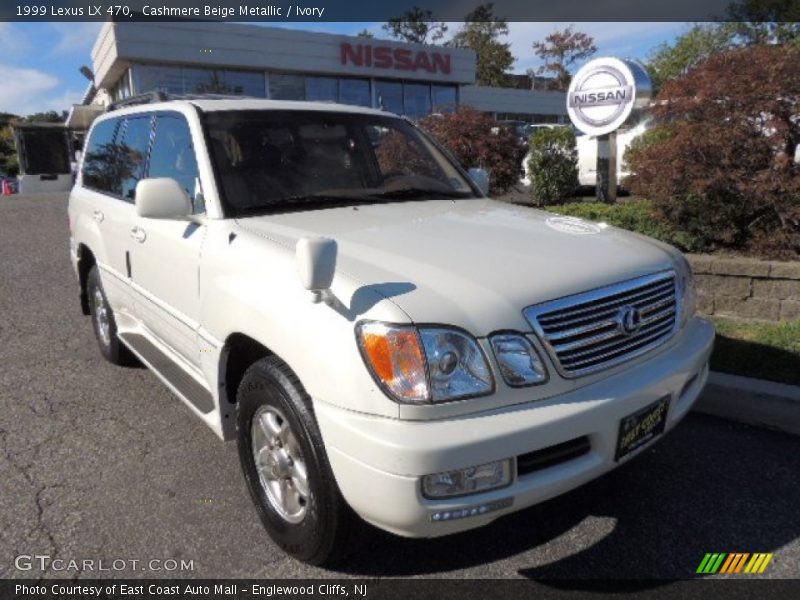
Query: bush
point(721, 169)
point(553, 165)
point(477, 140)
point(637, 215)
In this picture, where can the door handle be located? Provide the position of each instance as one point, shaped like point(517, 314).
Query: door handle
point(98, 216)
point(138, 234)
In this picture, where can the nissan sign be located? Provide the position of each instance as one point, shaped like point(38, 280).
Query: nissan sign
point(400, 59)
point(604, 92)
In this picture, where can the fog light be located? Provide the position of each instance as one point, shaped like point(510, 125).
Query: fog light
point(471, 511)
point(467, 481)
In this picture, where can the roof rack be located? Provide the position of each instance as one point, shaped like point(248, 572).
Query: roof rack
point(159, 96)
point(146, 98)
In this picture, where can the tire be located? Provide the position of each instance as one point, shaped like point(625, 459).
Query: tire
point(316, 528)
point(104, 323)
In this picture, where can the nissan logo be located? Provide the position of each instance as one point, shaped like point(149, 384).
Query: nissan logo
point(629, 320)
point(604, 92)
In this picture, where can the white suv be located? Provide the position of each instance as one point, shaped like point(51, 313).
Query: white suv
point(325, 285)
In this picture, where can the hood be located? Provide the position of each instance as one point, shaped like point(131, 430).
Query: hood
point(476, 263)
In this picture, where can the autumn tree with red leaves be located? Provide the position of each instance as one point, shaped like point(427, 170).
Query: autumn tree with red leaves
point(722, 166)
point(477, 140)
point(560, 50)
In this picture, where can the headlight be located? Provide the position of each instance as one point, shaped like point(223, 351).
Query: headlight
point(685, 288)
point(425, 365)
point(456, 365)
point(519, 363)
point(467, 481)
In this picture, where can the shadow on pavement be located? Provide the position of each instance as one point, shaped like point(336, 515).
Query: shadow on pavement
point(708, 486)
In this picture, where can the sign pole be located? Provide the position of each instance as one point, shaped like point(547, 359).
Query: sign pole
point(602, 95)
point(606, 187)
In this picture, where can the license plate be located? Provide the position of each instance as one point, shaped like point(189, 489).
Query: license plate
point(640, 427)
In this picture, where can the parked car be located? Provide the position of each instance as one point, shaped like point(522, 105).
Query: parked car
point(587, 155)
point(322, 284)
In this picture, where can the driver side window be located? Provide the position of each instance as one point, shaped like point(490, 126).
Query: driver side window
point(173, 155)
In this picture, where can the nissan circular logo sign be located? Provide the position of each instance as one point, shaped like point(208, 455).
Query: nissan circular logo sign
point(604, 92)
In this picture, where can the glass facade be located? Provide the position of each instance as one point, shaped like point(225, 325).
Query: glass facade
point(389, 96)
point(322, 89)
point(283, 86)
point(186, 80)
point(355, 91)
point(444, 98)
point(413, 99)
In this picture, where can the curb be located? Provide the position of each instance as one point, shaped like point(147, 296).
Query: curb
point(752, 401)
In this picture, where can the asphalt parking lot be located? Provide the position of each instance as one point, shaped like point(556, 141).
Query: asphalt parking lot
point(101, 462)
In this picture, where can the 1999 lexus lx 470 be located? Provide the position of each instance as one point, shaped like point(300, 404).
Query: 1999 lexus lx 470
point(324, 284)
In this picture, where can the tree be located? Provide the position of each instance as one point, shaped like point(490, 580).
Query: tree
point(416, 26)
point(477, 140)
point(753, 22)
point(722, 166)
point(47, 117)
point(690, 50)
point(553, 165)
point(481, 32)
point(365, 33)
point(766, 21)
point(560, 50)
point(8, 152)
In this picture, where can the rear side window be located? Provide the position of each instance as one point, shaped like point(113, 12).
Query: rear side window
point(173, 155)
point(100, 169)
point(132, 153)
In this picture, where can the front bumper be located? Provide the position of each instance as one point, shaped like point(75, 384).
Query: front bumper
point(378, 462)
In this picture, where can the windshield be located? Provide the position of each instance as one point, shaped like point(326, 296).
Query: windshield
point(271, 161)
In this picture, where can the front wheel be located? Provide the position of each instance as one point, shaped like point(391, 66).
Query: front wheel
point(286, 468)
point(104, 323)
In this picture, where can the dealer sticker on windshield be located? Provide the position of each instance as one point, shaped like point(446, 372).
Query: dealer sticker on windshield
point(638, 428)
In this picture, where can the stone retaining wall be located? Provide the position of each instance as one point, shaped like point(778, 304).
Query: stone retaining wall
point(747, 288)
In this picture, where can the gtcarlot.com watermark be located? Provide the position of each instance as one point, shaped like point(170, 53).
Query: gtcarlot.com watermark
point(45, 562)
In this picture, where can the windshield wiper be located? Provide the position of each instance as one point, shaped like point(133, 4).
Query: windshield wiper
point(411, 193)
point(302, 202)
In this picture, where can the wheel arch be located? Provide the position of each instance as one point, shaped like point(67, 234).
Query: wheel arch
point(238, 353)
point(86, 261)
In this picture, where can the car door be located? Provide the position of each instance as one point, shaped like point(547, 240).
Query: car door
point(111, 215)
point(165, 256)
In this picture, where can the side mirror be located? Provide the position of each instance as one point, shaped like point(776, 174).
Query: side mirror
point(316, 264)
point(481, 179)
point(162, 198)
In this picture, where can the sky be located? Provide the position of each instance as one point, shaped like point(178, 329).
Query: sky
point(39, 62)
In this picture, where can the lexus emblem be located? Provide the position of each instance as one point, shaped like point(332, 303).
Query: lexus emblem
point(629, 320)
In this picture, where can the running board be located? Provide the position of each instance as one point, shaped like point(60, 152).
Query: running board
point(163, 365)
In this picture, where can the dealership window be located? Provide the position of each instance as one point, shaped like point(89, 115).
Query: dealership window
point(444, 98)
point(390, 96)
point(323, 89)
point(147, 78)
point(416, 100)
point(245, 83)
point(133, 153)
point(122, 89)
point(283, 86)
point(173, 155)
point(355, 91)
point(185, 80)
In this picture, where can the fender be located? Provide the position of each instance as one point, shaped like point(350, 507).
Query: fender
point(249, 285)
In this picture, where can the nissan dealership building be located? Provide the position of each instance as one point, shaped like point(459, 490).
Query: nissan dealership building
point(283, 64)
